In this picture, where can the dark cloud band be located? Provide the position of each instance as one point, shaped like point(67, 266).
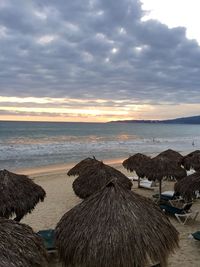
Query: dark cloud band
point(91, 49)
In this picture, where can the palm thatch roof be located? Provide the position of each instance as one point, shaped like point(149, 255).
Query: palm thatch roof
point(96, 177)
point(20, 246)
point(18, 194)
point(187, 186)
point(115, 227)
point(82, 166)
point(192, 161)
point(136, 163)
point(160, 167)
point(172, 155)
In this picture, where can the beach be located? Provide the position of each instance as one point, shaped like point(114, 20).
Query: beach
point(61, 198)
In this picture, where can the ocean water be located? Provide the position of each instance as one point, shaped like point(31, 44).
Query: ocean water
point(32, 144)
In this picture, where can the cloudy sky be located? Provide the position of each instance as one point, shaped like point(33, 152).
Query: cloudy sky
point(99, 60)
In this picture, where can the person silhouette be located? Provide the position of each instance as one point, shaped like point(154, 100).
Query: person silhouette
point(193, 143)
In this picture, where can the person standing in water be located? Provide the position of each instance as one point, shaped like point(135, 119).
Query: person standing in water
point(193, 143)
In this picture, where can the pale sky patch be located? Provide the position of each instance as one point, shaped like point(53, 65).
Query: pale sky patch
point(46, 39)
point(3, 31)
point(40, 15)
point(71, 27)
point(175, 13)
point(114, 50)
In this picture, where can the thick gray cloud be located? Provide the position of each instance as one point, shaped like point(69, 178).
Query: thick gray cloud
point(94, 49)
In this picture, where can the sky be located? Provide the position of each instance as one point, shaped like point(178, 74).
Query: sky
point(98, 60)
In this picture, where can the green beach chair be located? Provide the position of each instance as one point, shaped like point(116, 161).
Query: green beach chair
point(181, 214)
point(196, 235)
point(48, 237)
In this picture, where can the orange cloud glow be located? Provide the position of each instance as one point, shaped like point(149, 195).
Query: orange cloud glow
point(85, 110)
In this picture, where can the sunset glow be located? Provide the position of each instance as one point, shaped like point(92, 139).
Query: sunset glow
point(99, 110)
point(66, 109)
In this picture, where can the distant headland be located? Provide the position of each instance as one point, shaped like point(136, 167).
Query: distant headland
point(184, 120)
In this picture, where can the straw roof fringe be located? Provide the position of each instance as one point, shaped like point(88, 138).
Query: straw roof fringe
point(82, 166)
point(160, 167)
point(188, 185)
point(20, 246)
point(136, 163)
point(95, 178)
point(18, 194)
point(192, 161)
point(115, 227)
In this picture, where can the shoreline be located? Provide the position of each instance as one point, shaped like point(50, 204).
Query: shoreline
point(64, 167)
point(58, 168)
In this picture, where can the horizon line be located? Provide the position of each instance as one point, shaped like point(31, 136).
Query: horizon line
point(1, 120)
point(111, 121)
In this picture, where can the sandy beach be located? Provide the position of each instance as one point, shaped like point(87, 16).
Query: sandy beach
point(61, 198)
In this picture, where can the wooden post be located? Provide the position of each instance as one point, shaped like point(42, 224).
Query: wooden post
point(160, 189)
point(138, 181)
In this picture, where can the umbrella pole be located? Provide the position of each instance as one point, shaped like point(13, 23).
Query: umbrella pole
point(138, 181)
point(160, 189)
point(18, 217)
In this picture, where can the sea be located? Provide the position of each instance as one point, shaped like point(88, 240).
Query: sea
point(36, 144)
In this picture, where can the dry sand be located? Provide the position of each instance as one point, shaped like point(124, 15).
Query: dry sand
point(60, 198)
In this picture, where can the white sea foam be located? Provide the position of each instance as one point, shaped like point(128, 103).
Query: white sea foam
point(59, 145)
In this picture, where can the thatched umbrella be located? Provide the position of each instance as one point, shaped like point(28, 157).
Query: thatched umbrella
point(82, 166)
point(187, 186)
point(20, 246)
point(136, 163)
point(192, 161)
point(160, 167)
point(18, 194)
point(172, 155)
point(115, 227)
point(96, 177)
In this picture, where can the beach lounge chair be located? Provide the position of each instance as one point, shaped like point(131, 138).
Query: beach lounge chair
point(48, 237)
point(167, 195)
point(181, 214)
point(196, 235)
point(144, 183)
point(133, 178)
